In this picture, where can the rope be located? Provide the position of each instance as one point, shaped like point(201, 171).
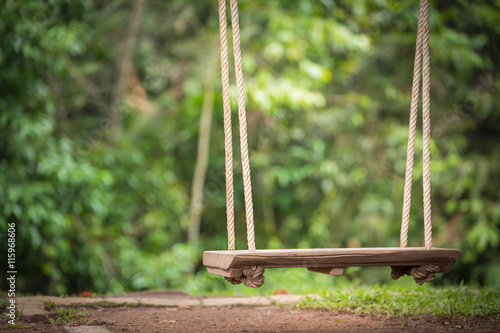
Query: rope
point(421, 274)
point(228, 145)
point(411, 133)
point(426, 130)
point(250, 276)
point(421, 55)
point(247, 185)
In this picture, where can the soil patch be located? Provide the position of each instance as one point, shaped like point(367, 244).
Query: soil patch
point(250, 319)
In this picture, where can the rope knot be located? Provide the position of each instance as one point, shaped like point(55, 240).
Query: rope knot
point(421, 274)
point(251, 277)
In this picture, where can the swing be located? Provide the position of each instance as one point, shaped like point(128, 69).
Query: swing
point(247, 266)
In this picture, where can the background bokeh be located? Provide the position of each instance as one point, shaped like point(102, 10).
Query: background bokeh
point(99, 127)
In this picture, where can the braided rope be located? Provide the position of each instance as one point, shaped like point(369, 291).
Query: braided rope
point(421, 54)
point(227, 126)
point(240, 89)
point(228, 145)
point(426, 129)
point(411, 134)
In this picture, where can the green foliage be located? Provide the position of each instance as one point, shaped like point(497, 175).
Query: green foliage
point(7, 319)
point(87, 215)
point(328, 90)
point(64, 314)
point(396, 301)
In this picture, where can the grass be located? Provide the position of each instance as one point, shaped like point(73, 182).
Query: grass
point(459, 301)
point(64, 314)
point(297, 281)
point(6, 318)
point(357, 291)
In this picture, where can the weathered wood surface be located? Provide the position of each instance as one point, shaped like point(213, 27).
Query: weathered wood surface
point(327, 270)
point(329, 258)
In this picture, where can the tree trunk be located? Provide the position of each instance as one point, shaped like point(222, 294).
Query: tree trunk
point(123, 60)
point(200, 169)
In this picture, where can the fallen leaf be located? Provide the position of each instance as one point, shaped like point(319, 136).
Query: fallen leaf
point(167, 321)
point(280, 292)
point(86, 294)
point(184, 307)
point(339, 320)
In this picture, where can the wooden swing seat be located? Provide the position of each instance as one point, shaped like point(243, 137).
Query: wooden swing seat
point(408, 260)
point(248, 267)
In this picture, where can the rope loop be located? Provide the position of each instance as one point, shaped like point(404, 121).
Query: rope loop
point(247, 184)
point(421, 69)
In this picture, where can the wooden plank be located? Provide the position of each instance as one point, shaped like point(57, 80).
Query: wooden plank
point(225, 272)
point(331, 258)
point(327, 270)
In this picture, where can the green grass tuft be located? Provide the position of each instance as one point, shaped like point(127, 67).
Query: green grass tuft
point(396, 301)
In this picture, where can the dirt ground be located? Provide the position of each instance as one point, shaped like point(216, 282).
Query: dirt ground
point(247, 319)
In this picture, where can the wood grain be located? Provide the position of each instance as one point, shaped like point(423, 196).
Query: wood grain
point(331, 258)
point(327, 270)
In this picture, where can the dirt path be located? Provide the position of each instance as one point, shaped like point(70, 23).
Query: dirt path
point(246, 319)
point(173, 311)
